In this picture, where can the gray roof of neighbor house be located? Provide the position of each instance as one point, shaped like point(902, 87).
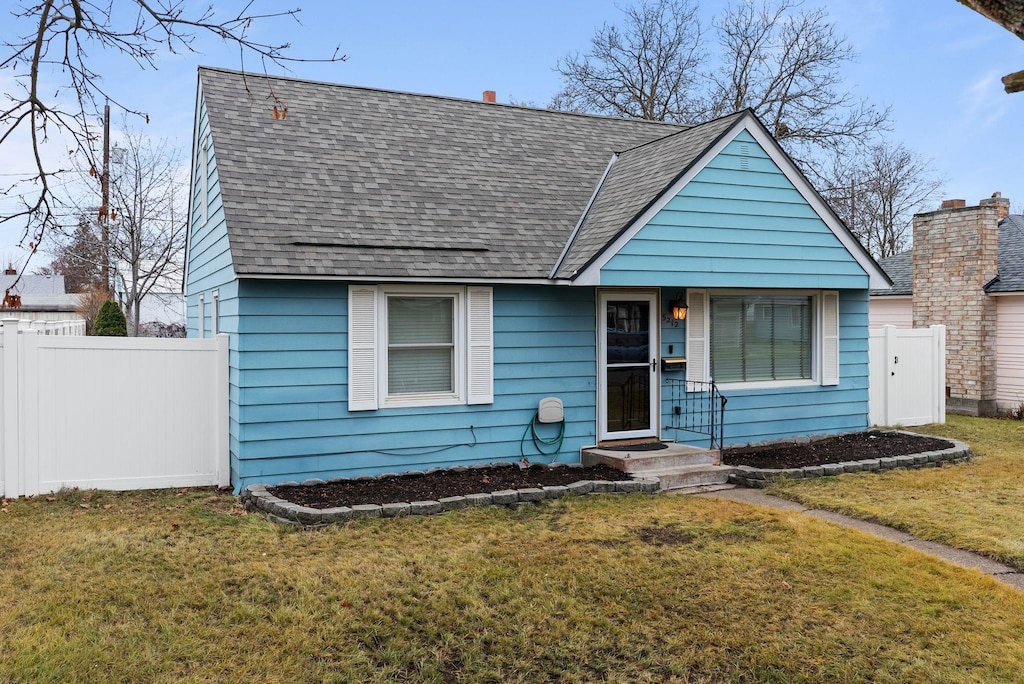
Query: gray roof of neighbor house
point(363, 182)
point(40, 292)
point(1011, 256)
point(900, 267)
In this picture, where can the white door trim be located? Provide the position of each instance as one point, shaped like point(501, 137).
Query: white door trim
point(650, 296)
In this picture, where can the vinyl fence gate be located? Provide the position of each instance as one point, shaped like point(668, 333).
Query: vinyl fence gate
point(110, 412)
point(908, 375)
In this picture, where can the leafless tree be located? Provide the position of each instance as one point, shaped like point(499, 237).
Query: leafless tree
point(647, 69)
point(1010, 15)
point(785, 63)
point(58, 91)
point(773, 56)
point(147, 230)
point(878, 194)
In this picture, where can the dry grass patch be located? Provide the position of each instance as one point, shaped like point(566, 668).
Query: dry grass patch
point(975, 505)
point(162, 587)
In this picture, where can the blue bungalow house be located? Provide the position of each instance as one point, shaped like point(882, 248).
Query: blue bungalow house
point(405, 277)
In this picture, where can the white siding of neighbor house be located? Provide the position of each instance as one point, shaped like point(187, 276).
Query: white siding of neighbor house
point(891, 310)
point(1010, 351)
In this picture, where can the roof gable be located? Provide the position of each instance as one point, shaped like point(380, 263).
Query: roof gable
point(737, 198)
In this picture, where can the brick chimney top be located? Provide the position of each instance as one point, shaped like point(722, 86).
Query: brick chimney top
point(953, 204)
point(490, 96)
point(10, 270)
point(1002, 204)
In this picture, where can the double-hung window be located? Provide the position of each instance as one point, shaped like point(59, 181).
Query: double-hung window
point(419, 346)
point(422, 353)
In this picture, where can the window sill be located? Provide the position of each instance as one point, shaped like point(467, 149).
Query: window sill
point(768, 384)
point(422, 400)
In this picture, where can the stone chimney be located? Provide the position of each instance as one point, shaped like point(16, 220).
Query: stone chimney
point(956, 252)
point(1002, 204)
point(490, 96)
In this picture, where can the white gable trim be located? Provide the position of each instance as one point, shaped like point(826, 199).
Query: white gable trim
point(591, 275)
point(192, 182)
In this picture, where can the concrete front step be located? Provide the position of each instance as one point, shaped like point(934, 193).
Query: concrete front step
point(675, 456)
point(685, 477)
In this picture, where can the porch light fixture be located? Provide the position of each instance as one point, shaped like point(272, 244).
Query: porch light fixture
point(679, 308)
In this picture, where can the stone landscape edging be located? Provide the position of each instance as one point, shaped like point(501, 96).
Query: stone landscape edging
point(257, 497)
point(760, 478)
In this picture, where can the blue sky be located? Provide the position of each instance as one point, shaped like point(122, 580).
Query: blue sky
point(935, 62)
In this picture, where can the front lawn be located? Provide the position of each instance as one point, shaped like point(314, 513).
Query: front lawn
point(168, 586)
point(977, 505)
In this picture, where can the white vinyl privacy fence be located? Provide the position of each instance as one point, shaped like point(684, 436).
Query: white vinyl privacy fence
point(110, 412)
point(908, 375)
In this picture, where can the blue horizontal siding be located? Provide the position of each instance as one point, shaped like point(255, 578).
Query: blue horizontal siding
point(738, 227)
point(293, 386)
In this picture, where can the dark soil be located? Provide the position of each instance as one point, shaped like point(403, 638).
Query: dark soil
point(856, 446)
point(438, 484)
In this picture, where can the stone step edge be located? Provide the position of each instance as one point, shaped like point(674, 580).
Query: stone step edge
point(759, 478)
point(256, 497)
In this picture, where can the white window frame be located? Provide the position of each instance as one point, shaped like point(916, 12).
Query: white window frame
point(214, 313)
point(201, 315)
point(817, 334)
point(458, 393)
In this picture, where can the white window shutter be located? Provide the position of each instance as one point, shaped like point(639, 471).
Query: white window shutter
point(480, 351)
point(696, 336)
point(830, 338)
point(362, 348)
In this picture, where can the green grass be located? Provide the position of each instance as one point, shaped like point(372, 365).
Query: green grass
point(977, 506)
point(165, 586)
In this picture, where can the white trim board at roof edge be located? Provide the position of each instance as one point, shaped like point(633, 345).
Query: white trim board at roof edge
point(591, 275)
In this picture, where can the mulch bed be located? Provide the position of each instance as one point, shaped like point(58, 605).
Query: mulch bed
point(438, 484)
point(856, 446)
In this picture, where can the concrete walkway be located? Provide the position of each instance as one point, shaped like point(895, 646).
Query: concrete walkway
point(964, 559)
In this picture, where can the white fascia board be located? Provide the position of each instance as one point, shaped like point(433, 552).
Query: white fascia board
point(1016, 293)
point(408, 279)
point(591, 275)
point(192, 181)
point(891, 298)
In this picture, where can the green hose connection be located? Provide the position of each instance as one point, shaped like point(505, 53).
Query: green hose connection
point(540, 442)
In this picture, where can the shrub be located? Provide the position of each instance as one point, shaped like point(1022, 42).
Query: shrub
point(110, 321)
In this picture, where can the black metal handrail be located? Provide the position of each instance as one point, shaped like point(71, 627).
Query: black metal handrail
point(698, 408)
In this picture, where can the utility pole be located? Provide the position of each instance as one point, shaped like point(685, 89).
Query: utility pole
point(105, 205)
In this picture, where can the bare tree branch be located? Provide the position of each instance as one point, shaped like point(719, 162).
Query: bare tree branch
point(878, 194)
point(1010, 15)
point(57, 89)
point(647, 69)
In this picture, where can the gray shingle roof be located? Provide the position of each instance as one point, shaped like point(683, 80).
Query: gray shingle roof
point(900, 267)
point(34, 284)
point(637, 178)
point(1011, 256)
point(361, 182)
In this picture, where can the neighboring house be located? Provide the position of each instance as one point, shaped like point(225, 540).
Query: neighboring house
point(965, 271)
point(404, 277)
point(42, 298)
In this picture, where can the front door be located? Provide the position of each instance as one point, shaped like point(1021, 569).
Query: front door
point(627, 375)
